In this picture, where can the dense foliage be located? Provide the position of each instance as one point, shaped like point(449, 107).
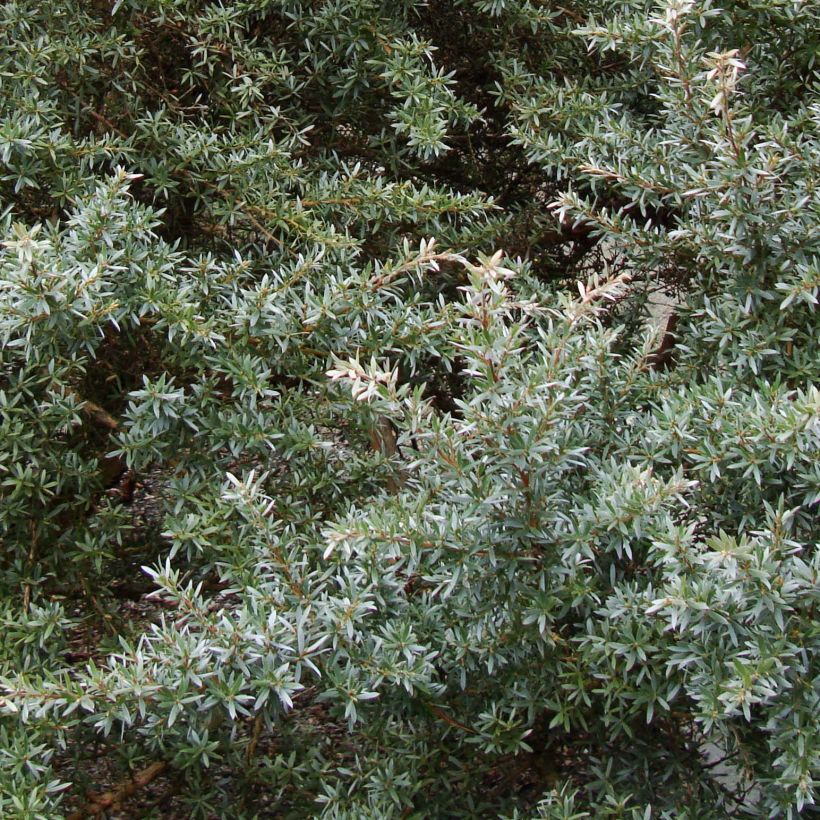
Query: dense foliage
point(434, 531)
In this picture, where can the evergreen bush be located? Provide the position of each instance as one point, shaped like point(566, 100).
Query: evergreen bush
point(434, 530)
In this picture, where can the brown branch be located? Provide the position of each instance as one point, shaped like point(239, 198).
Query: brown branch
point(442, 715)
point(111, 467)
point(384, 440)
point(31, 555)
point(106, 122)
point(383, 437)
point(661, 357)
point(99, 415)
point(106, 617)
point(254, 741)
point(103, 802)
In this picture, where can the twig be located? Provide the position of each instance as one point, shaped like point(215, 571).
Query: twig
point(99, 415)
point(105, 121)
point(254, 741)
point(106, 617)
point(103, 802)
point(661, 357)
point(442, 715)
point(31, 555)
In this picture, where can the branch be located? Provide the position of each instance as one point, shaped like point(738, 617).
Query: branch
point(661, 357)
point(103, 802)
point(98, 415)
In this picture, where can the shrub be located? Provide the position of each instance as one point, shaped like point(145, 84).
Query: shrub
point(312, 515)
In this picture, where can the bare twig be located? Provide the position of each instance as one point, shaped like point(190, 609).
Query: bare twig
point(103, 802)
point(32, 552)
point(99, 416)
point(254, 741)
point(661, 357)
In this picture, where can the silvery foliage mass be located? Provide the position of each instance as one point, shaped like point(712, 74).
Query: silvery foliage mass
point(440, 532)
